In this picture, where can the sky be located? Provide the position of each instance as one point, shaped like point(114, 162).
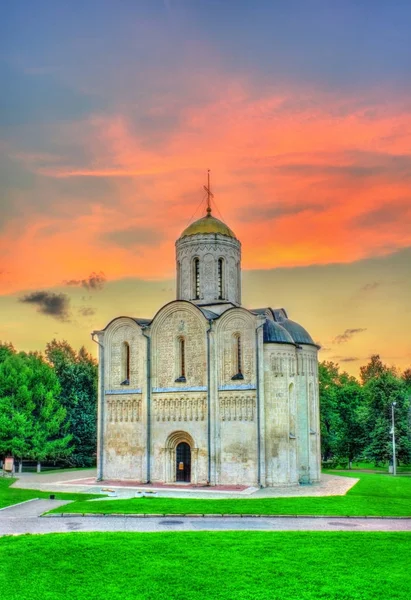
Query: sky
point(111, 112)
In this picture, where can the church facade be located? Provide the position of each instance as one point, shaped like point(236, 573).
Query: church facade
point(208, 392)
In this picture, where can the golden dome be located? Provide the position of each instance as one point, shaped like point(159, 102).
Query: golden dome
point(208, 224)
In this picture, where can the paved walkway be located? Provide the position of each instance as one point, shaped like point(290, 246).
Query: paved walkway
point(84, 481)
point(25, 518)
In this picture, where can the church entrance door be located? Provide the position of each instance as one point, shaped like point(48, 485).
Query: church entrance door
point(183, 462)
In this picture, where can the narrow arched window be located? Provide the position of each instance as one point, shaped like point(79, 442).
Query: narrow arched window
point(178, 279)
point(196, 278)
point(125, 364)
point(238, 357)
point(220, 279)
point(181, 360)
point(291, 411)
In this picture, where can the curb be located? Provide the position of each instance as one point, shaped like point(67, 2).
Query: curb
point(212, 516)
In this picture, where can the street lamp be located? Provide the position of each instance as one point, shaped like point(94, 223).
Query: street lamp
point(394, 458)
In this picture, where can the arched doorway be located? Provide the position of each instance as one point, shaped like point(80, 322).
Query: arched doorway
point(180, 448)
point(183, 462)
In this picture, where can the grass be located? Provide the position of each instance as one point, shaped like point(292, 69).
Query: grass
point(56, 470)
point(9, 495)
point(373, 495)
point(207, 565)
point(372, 467)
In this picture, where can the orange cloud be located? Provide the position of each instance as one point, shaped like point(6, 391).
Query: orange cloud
point(302, 177)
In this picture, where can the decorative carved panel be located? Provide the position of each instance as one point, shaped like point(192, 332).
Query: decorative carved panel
point(180, 408)
point(123, 410)
point(237, 408)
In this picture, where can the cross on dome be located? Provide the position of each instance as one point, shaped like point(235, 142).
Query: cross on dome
point(210, 195)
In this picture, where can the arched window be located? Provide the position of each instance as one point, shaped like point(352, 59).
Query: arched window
point(181, 360)
point(220, 279)
point(125, 364)
point(196, 275)
point(178, 279)
point(291, 411)
point(311, 400)
point(238, 357)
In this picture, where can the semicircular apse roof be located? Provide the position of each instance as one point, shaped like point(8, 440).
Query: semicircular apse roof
point(297, 332)
point(274, 333)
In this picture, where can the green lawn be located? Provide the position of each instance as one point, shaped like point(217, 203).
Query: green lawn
point(206, 565)
point(9, 495)
point(371, 467)
point(373, 495)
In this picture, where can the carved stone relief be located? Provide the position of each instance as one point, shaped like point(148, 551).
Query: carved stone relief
point(125, 410)
point(165, 350)
point(180, 408)
point(237, 408)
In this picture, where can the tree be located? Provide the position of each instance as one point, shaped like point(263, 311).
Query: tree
point(77, 374)
point(32, 420)
point(341, 400)
point(380, 394)
point(407, 377)
point(375, 368)
point(328, 378)
point(350, 435)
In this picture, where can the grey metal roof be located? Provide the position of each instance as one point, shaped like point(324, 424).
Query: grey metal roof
point(209, 314)
point(274, 333)
point(142, 321)
point(297, 332)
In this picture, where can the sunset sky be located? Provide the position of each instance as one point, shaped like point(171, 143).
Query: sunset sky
point(111, 112)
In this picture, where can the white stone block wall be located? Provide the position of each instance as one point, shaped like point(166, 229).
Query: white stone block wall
point(125, 412)
point(208, 248)
point(289, 408)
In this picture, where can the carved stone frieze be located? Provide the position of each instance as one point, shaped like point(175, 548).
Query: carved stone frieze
point(240, 407)
point(123, 410)
point(180, 408)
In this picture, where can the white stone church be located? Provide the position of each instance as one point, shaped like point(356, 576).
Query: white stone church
point(208, 392)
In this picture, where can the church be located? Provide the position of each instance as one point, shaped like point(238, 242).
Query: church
point(208, 392)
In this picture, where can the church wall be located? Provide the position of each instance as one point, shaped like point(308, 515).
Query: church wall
point(237, 421)
point(124, 404)
point(314, 415)
point(279, 375)
point(236, 405)
point(208, 252)
point(174, 415)
point(178, 407)
point(178, 320)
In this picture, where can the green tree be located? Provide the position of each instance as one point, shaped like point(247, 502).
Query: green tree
point(350, 434)
point(328, 384)
point(77, 374)
point(381, 392)
point(341, 414)
point(31, 416)
point(375, 368)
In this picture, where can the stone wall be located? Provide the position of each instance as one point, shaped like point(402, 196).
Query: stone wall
point(125, 422)
point(289, 407)
point(208, 248)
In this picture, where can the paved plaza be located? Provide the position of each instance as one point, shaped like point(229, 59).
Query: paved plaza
point(85, 481)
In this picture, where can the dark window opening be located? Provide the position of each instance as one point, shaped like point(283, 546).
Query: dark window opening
point(182, 361)
point(126, 364)
point(196, 279)
point(238, 359)
point(220, 279)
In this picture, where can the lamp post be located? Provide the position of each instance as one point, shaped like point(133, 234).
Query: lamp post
point(394, 458)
